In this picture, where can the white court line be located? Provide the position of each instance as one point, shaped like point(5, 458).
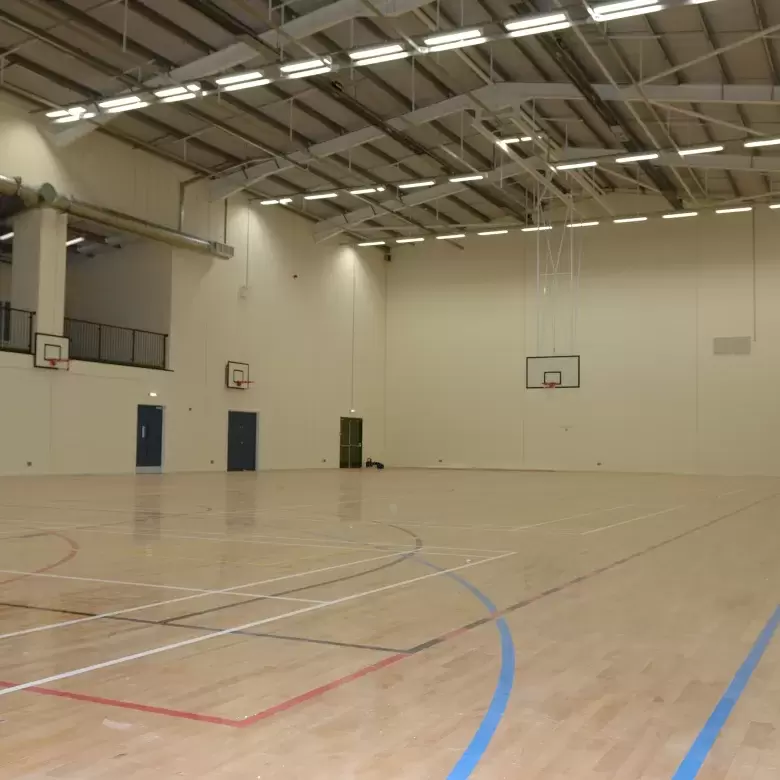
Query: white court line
point(731, 493)
point(244, 627)
point(199, 591)
point(573, 517)
point(203, 591)
point(232, 590)
point(632, 519)
point(360, 546)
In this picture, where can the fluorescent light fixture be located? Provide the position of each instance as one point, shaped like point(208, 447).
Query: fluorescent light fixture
point(246, 85)
point(620, 10)
point(408, 240)
point(754, 144)
point(536, 229)
point(626, 220)
point(582, 224)
point(457, 44)
point(170, 92)
point(648, 9)
point(492, 232)
point(74, 241)
point(152, 395)
point(89, 115)
point(637, 158)
point(700, 150)
point(10, 235)
point(775, 206)
point(373, 243)
point(121, 101)
point(321, 196)
point(129, 107)
point(451, 236)
point(681, 215)
point(63, 112)
point(173, 91)
point(296, 67)
point(276, 202)
point(376, 51)
point(541, 29)
point(366, 190)
point(455, 37)
point(306, 73)
point(383, 58)
point(535, 21)
point(527, 138)
point(575, 166)
point(179, 98)
point(69, 118)
point(513, 140)
point(467, 177)
point(237, 78)
point(411, 184)
point(739, 210)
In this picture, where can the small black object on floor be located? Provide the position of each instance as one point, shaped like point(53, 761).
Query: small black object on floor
point(375, 464)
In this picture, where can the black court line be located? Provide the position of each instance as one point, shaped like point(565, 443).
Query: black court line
point(582, 578)
point(302, 588)
point(166, 624)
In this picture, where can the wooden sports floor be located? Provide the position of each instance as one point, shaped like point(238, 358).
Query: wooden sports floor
point(396, 625)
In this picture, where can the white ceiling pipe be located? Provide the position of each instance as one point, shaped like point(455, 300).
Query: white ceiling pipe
point(127, 223)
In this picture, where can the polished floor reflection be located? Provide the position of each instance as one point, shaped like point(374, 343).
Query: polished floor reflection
point(394, 625)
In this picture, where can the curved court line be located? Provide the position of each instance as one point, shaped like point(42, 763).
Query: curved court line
point(69, 556)
point(224, 632)
point(700, 749)
point(473, 753)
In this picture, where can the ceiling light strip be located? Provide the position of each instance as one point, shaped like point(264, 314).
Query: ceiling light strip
point(394, 50)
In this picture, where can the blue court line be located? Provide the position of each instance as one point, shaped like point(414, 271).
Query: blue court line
point(692, 763)
point(506, 678)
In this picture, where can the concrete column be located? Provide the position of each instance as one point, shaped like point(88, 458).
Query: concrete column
point(38, 268)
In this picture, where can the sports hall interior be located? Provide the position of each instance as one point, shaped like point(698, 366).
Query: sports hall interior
point(523, 258)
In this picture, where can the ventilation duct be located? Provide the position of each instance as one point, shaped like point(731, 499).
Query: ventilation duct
point(48, 196)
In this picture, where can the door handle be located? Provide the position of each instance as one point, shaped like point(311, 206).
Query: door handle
point(143, 431)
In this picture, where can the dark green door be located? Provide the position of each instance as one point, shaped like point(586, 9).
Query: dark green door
point(351, 448)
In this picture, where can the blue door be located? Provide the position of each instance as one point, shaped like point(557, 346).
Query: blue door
point(242, 441)
point(148, 452)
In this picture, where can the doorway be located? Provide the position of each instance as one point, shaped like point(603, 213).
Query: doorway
point(242, 441)
point(351, 450)
point(149, 439)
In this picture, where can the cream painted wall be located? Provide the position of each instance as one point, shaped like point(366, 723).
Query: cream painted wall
point(5, 282)
point(129, 287)
point(96, 169)
point(297, 334)
point(653, 397)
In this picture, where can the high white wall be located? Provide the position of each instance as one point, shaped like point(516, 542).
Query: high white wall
point(5, 282)
point(128, 287)
point(430, 349)
point(653, 398)
point(296, 311)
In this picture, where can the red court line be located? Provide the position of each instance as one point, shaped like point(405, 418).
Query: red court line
point(214, 719)
point(129, 705)
point(315, 692)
